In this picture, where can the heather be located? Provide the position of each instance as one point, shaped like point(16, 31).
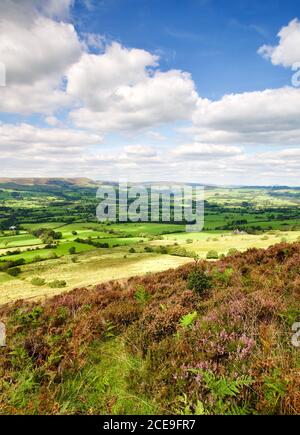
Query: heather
point(206, 338)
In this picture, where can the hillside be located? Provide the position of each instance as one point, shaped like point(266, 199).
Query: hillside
point(81, 182)
point(206, 338)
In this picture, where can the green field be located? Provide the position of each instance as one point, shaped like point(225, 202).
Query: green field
point(88, 252)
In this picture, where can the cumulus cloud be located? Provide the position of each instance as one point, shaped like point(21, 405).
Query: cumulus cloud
point(36, 52)
point(121, 89)
point(287, 52)
point(263, 117)
point(39, 97)
point(95, 78)
point(44, 49)
point(28, 10)
point(162, 98)
point(106, 87)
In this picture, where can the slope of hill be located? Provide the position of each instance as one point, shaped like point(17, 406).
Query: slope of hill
point(83, 182)
point(207, 338)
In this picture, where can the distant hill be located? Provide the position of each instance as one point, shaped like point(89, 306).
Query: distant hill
point(81, 182)
point(87, 182)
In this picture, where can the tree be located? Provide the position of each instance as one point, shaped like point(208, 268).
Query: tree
point(199, 281)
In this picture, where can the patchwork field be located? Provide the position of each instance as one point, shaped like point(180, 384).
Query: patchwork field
point(87, 265)
point(50, 241)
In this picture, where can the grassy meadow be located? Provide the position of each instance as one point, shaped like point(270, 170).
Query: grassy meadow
point(122, 258)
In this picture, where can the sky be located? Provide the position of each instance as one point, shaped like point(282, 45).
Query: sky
point(204, 91)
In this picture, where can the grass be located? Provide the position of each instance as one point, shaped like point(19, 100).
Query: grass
point(147, 228)
point(61, 250)
point(102, 386)
point(17, 241)
point(92, 268)
point(222, 242)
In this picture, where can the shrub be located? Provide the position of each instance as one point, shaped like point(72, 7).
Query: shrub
point(37, 281)
point(141, 295)
point(212, 255)
point(131, 251)
point(232, 251)
point(179, 252)
point(72, 250)
point(37, 259)
point(51, 246)
point(57, 283)
point(188, 320)
point(163, 250)
point(148, 249)
point(223, 276)
point(15, 271)
point(102, 245)
point(199, 281)
point(27, 318)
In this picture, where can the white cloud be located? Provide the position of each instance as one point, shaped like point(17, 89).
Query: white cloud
point(118, 89)
point(56, 8)
point(94, 41)
point(200, 151)
point(28, 10)
point(25, 138)
point(36, 51)
point(262, 117)
point(95, 78)
point(287, 52)
point(32, 53)
point(37, 98)
point(122, 90)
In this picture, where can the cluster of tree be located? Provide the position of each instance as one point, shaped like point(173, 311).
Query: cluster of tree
point(47, 235)
point(92, 243)
point(12, 267)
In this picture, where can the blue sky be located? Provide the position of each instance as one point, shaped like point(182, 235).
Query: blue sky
point(190, 90)
point(215, 40)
